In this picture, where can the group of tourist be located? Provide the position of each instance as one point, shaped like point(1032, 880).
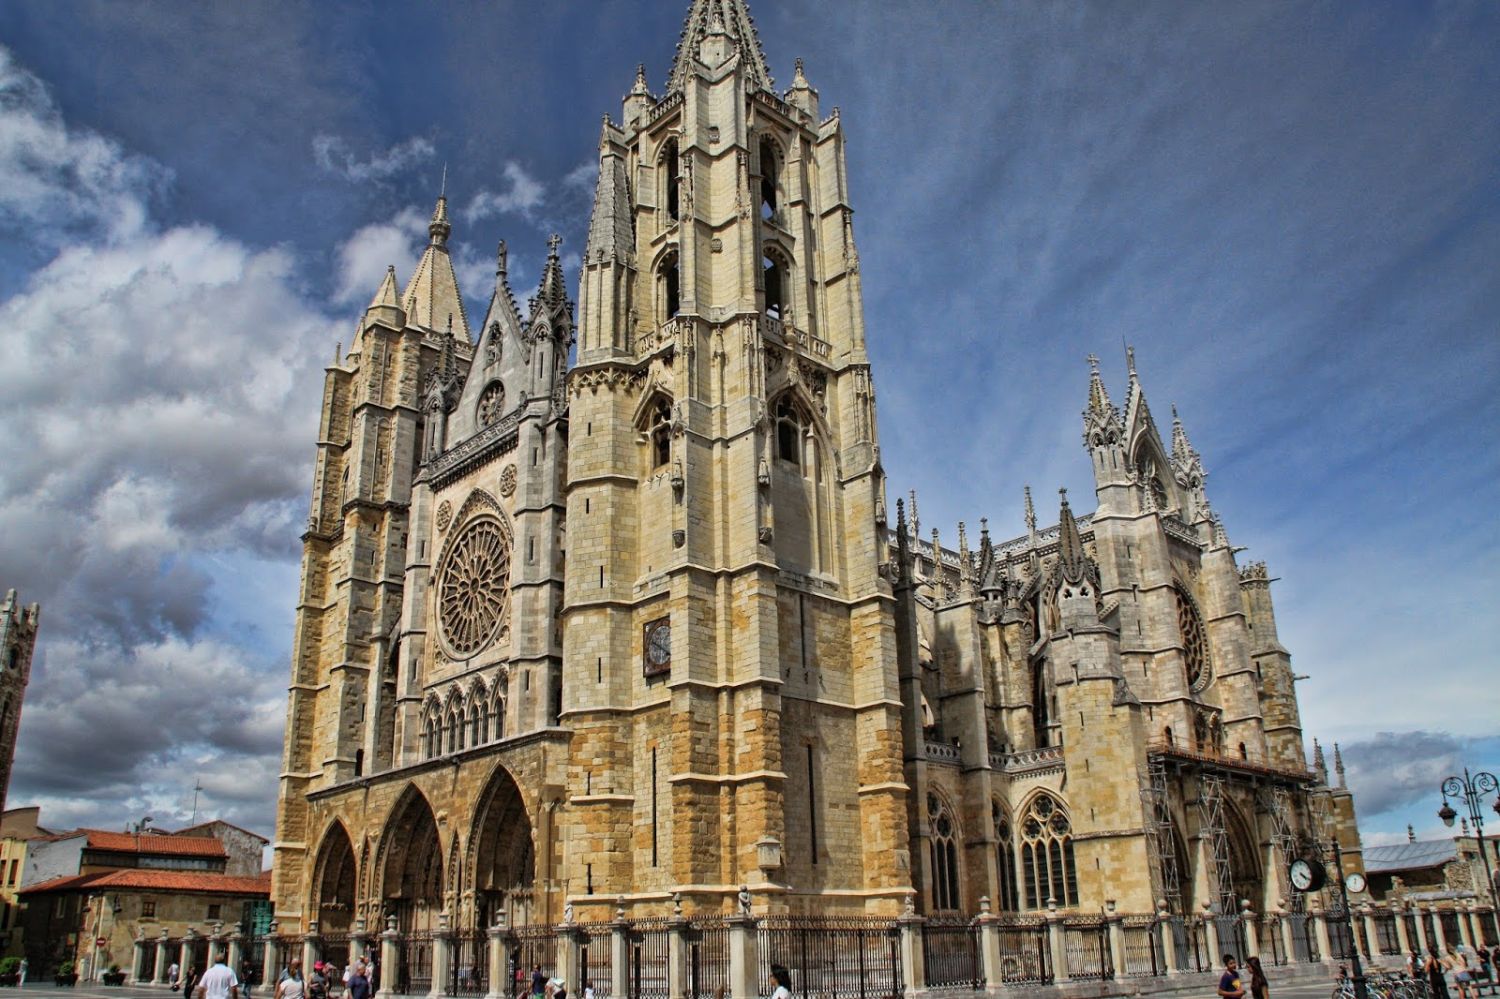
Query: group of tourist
point(358, 978)
point(1469, 966)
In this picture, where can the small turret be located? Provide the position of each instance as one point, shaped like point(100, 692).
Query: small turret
point(1320, 766)
point(1104, 437)
point(1187, 468)
point(639, 100)
point(802, 95)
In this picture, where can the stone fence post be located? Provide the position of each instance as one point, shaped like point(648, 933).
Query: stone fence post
point(442, 957)
point(270, 962)
point(1116, 926)
point(569, 953)
point(1168, 938)
point(744, 951)
point(909, 930)
point(500, 984)
point(1400, 919)
point(1325, 942)
point(215, 944)
point(1057, 942)
point(390, 956)
point(359, 942)
point(1250, 939)
point(677, 956)
point(989, 944)
point(311, 947)
point(162, 961)
point(185, 952)
point(1211, 935)
point(619, 953)
point(1437, 928)
point(236, 955)
point(1465, 932)
point(1372, 932)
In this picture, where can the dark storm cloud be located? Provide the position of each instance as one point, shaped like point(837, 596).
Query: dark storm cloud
point(1397, 769)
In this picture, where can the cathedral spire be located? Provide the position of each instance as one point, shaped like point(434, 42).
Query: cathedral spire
point(1338, 765)
point(552, 291)
point(1073, 561)
point(965, 563)
point(432, 294)
point(611, 224)
point(1320, 765)
point(725, 24)
point(387, 295)
point(1101, 420)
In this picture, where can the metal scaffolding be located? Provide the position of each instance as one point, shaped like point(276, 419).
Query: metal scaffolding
point(1165, 878)
point(1277, 804)
point(1211, 826)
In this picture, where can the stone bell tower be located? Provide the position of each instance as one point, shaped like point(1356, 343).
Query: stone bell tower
point(729, 647)
point(17, 640)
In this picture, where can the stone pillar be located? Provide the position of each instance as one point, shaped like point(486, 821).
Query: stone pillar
point(390, 956)
point(1437, 929)
point(1250, 943)
point(1287, 947)
point(1465, 931)
point(215, 944)
point(619, 955)
point(1325, 944)
point(359, 942)
point(744, 950)
point(1057, 942)
point(270, 965)
point(909, 928)
point(500, 983)
point(162, 960)
point(677, 956)
point(1116, 928)
point(1167, 937)
point(185, 952)
point(442, 957)
point(1211, 936)
point(236, 955)
point(1416, 918)
point(569, 955)
point(1401, 939)
point(310, 947)
point(989, 944)
point(137, 959)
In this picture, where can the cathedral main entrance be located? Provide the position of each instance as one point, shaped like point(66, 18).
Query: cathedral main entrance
point(502, 855)
point(412, 874)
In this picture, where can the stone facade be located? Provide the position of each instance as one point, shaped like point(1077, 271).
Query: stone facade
point(644, 629)
point(18, 626)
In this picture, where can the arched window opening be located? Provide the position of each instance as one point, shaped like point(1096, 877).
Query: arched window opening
point(475, 714)
point(788, 433)
point(453, 731)
point(359, 762)
point(1005, 860)
point(1041, 720)
point(670, 167)
point(661, 434)
point(1168, 733)
point(668, 285)
point(1047, 855)
point(485, 712)
point(1200, 734)
point(499, 727)
point(774, 281)
point(942, 843)
point(1244, 753)
point(768, 174)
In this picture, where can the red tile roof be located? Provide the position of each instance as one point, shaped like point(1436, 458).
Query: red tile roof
point(122, 842)
point(143, 880)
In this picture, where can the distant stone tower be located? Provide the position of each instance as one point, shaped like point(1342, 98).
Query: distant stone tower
point(17, 639)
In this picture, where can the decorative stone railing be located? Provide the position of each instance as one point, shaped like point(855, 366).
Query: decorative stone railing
point(452, 462)
point(941, 752)
point(1028, 760)
point(799, 340)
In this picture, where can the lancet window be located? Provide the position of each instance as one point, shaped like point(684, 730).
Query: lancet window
point(659, 432)
point(775, 284)
point(789, 430)
point(1008, 896)
point(942, 842)
point(768, 175)
point(671, 181)
point(667, 287)
point(1047, 854)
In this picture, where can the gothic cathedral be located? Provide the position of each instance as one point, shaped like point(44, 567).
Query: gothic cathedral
point(604, 608)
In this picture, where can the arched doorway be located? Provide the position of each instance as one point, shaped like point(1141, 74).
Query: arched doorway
point(412, 875)
point(334, 881)
point(1244, 859)
point(504, 861)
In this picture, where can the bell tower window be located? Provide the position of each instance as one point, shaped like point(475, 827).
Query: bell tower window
point(661, 434)
point(667, 281)
point(767, 179)
point(788, 433)
point(774, 281)
point(670, 168)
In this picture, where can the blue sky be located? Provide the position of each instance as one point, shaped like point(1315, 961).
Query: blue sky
point(1292, 211)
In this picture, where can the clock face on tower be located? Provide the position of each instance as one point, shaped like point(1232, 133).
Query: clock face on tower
point(656, 647)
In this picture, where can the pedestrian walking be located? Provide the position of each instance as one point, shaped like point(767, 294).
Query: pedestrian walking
point(23, 969)
point(1259, 987)
point(218, 982)
point(1229, 982)
point(1459, 965)
point(292, 986)
point(358, 984)
point(782, 980)
point(1432, 967)
point(174, 974)
point(189, 979)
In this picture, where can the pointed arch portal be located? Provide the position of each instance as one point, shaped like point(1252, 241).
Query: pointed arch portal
point(335, 882)
point(504, 856)
point(413, 871)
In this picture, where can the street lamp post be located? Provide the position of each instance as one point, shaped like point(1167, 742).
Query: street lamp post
point(1471, 789)
point(1361, 988)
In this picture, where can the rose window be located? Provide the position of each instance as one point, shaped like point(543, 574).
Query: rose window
point(1194, 641)
point(491, 403)
point(474, 586)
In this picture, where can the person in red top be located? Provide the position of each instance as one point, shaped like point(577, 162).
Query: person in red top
point(1229, 982)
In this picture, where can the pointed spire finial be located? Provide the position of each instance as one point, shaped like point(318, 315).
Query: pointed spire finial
point(1072, 559)
point(553, 242)
point(502, 260)
point(640, 88)
point(1338, 765)
point(916, 521)
point(440, 228)
point(1030, 513)
point(1130, 359)
point(443, 187)
point(1411, 833)
point(1320, 765)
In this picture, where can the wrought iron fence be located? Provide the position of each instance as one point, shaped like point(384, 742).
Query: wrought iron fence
point(1025, 953)
point(832, 957)
point(414, 976)
point(596, 959)
point(469, 975)
point(1487, 932)
point(1340, 936)
point(148, 962)
point(950, 954)
point(647, 951)
point(1304, 941)
point(1231, 938)
point(1271, 945)
point(333, 948)
point(531, 947)
point(1141, 950)
point(707, 959)
point(1086, 942)
point(1449, 920)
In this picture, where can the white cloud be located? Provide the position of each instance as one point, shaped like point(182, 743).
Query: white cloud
point(364, 256)
point(523, 195)
point(334, 155)
point(159, 394)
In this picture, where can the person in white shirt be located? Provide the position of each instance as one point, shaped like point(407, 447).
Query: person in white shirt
point(218, 982)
